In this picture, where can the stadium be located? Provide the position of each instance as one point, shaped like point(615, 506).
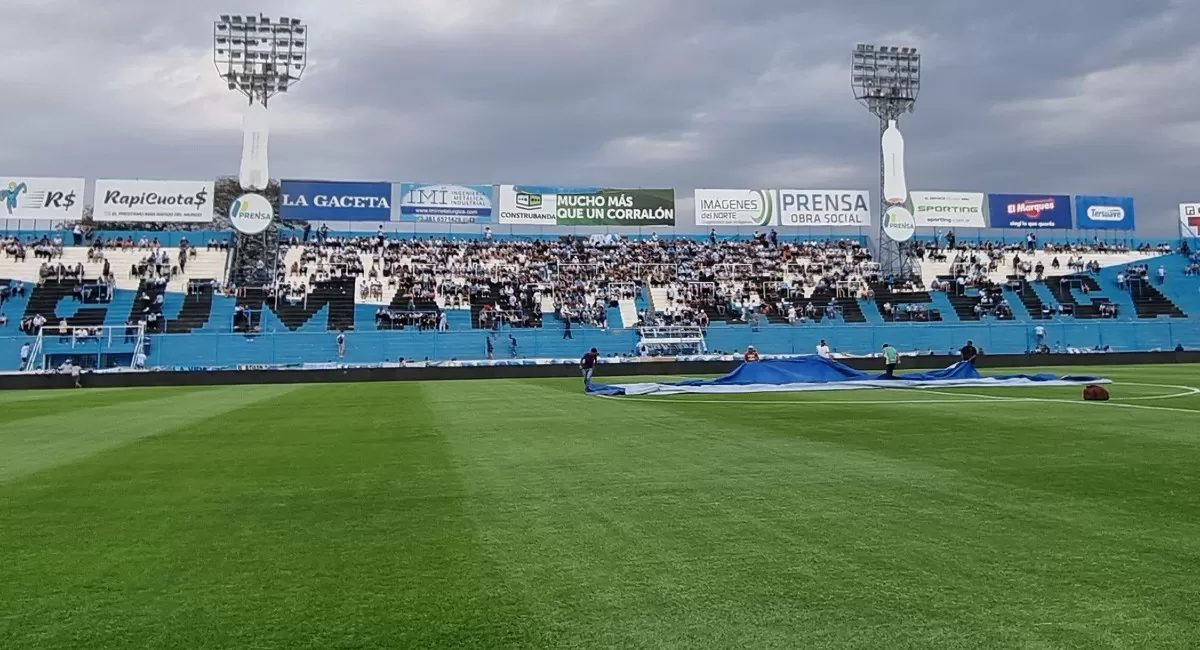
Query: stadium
point(245, 411)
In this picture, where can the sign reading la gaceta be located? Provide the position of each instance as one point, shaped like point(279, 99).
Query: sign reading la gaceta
point(830, 208)
point(734, 207)
point(335, 201)
point(160, 201)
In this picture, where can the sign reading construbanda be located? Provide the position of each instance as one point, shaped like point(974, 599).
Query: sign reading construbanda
point(831, 208)
point(161, 201)
point(735, 207)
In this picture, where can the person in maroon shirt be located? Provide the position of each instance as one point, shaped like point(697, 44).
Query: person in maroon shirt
point(588, 365)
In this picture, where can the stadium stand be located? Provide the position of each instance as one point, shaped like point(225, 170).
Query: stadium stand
point(443, 298)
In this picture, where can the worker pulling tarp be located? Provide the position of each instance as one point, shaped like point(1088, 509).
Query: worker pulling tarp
point(813, 373)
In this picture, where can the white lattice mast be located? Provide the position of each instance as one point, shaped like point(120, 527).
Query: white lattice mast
point(886, 80)
point(258, 57)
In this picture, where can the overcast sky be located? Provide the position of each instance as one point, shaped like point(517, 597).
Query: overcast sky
point(1024, 95)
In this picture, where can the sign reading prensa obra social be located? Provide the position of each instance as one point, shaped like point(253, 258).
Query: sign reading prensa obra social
point(54, 199)
point(157, 201)
point(735, 207)
point(824, 208)
point(948, 209)
point(586, 206)
point(433, 203)
point(335, 201)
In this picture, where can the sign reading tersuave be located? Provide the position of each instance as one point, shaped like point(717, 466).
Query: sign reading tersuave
point(830, 208)
point(1104, 212)
point(948, 209)
point(41, 198)
point(161, 201)
point(735, 208)
point(1029, 211)
point(335, 201)
point(420, 202)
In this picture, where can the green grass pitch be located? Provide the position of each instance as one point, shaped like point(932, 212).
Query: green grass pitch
point(524, 514)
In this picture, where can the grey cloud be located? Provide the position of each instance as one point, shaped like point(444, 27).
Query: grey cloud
point(726, 93)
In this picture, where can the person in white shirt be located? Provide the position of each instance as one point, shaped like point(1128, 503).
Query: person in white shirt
point(823, 350)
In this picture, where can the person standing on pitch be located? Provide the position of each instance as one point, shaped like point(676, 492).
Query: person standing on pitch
point(969, 352)
point(890, 359)
point(823, 350)
point(588, 365)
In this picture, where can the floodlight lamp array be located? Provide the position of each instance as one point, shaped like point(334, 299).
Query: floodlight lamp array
point(259, 56)
point(886, 78)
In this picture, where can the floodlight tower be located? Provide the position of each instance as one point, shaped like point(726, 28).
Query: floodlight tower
point(886, 80)
point(258, 57)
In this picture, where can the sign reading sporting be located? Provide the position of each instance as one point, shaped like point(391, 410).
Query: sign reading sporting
point(160, 201)
point(948, 209)
point(58, 199)
point(335, 201)
point(1029, 211)
point(735, 207)
point(829, 208)
point(428, 203)
point(1104, 212)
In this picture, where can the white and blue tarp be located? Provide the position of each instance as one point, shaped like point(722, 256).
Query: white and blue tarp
point(813, 373)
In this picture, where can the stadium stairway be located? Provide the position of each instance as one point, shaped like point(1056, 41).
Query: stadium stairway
point(627, 308)
point(1019, 307)
point(870, 311)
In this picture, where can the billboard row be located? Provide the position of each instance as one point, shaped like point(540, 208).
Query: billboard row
point(1029, 211)
point(158, 201)
point(1104, 212)
point(335, 201)
point(586, 206)
point(57, 199)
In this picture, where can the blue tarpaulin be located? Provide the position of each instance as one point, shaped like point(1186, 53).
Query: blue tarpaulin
point(818, 373)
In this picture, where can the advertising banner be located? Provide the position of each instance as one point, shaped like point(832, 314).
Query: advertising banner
point(159, 201)
point(432, 203)
point(826, 208)
point(1189, 219)
point(334, 201)
point(1029, 211)
point(948, 209)
point(591, 206)
point(1104, 212)
point(520, 206)
point(735, 208)
point(58, 199)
